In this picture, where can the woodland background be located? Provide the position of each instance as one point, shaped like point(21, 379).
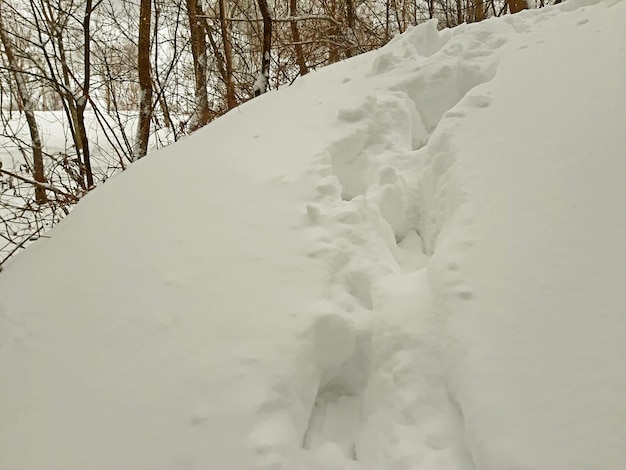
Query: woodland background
point(89, 86)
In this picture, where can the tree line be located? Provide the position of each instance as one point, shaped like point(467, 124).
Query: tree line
point(124, 76)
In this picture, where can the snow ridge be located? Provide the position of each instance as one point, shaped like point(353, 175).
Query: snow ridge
point(383, 276)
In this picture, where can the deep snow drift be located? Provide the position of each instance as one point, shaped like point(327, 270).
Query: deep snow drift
point(411, 260)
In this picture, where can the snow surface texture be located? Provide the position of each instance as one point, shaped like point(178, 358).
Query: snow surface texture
point(417, 262)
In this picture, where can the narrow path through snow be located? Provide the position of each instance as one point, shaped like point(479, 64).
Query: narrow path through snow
point(382, 399)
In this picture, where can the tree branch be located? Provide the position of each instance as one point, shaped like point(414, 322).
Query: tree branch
point(46, 186)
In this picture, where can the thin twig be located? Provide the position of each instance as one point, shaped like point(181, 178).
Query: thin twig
point(47, 186)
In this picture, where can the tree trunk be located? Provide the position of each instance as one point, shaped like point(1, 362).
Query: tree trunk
point(262, 81)
point(387, 19)
point(479, 10)
point(333, 34)
point(48, 22)
point(84, 99)
point(201, 114)
point(295, 35)
point(221, 66)
point(351, 20)
point(165, 109)
point(29, 111)
point(516, 6)
point(231, 100)
point(145, 80)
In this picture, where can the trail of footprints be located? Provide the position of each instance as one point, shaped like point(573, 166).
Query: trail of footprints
point(376, 215)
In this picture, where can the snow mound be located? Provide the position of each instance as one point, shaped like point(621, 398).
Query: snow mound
point(410, 260)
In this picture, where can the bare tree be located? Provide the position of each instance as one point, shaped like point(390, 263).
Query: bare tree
point(515, 6)
point(479, 10)
point(262, 81)
point(231, 100)
point(145, 80)
point(351, 21)
point(28, 107)
point(295, 35)
point(201, 113)
point(83, 99)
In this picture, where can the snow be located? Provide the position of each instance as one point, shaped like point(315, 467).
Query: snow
point(545, 328)
point(417, 263)
point(260, 84)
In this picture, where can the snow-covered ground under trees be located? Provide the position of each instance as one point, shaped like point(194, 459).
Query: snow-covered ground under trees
point(415, 259)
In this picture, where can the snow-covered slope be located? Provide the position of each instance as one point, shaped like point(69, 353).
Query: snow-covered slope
point(411, 260)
